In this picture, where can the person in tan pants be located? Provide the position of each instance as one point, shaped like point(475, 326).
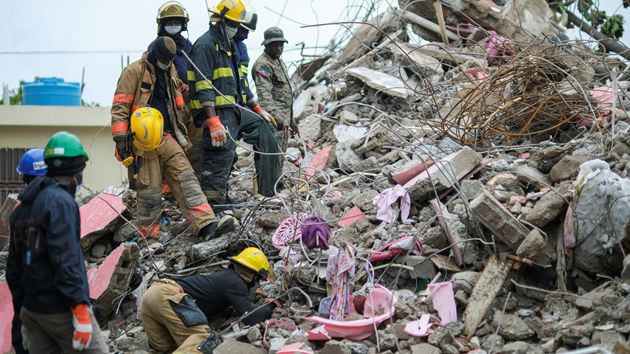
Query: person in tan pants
point(172, 320)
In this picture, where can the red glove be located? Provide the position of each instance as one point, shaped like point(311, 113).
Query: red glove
point(217, 132)
point(82, 327)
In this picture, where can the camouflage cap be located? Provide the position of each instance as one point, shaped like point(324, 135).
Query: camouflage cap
point(274, 34)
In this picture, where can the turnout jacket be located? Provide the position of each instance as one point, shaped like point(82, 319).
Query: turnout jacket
point(134, 89)
point(45, 270)
point(273, 86)
point(222, 67)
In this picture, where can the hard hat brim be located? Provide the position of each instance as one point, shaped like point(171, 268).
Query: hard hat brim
point(216, 11)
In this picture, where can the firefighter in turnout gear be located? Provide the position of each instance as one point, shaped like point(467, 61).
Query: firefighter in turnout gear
point(214, 55)
point(159, 141)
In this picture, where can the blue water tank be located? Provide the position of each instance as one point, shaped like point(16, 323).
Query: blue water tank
point(51, 91)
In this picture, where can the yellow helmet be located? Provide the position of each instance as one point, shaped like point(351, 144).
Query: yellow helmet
point(147, 126)
point(254, 259)
point(172, 9)
point(231, 9)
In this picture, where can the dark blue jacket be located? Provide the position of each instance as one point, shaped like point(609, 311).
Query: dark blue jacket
point(45, 270)
point(180, 61)
point(243, 55)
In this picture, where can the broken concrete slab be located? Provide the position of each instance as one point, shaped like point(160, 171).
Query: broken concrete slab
point(377, 80)
point(487, 288)
point(549, 206)
point(208, 249)
point(347, 159)
point(421, 59)
point(567, 168)
point(423, 267)
point(364, 200)
point(531, 176)
point(409, 170)
point(498, 219)
point(6, 317)
point(99, 218)
point(353, 215)
point(472, 188)
point(425, 349)
point(345, 133)
point(310, 128)
point(6, 210)
point(111, 279)
point(232, 346)
point(533, 243)
point(449, 169)
point(455, 230)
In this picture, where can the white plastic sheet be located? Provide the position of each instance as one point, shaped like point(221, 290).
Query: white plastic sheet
point(602, 211)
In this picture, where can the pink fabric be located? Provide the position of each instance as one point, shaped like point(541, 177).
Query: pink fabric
point(295, 348)
point(444, 301)
point(318, 333)
point(289, 231)
point(419, 327)
point(340, 267)
point(569, 233)
point(387, 198)
point(394, 249)
point(498, 47)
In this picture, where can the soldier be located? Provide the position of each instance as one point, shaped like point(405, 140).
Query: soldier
point(272, 82)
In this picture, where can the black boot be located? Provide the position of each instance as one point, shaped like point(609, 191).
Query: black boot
point(217, 228)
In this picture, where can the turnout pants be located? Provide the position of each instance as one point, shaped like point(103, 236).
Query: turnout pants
point(196, 153)
point(172, 320)
point(172, 166)
point(218, 161)
point(52, 334)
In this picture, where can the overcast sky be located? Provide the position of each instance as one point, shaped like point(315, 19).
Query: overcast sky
point(128, 26)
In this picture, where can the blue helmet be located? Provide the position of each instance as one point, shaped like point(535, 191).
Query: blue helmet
point(32, 163)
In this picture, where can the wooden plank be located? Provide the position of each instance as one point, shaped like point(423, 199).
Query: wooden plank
point(484, 292)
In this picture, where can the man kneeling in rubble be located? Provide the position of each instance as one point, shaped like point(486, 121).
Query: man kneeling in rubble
point(175, 313)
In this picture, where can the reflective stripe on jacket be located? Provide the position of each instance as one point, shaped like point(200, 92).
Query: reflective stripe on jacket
point(216, 61)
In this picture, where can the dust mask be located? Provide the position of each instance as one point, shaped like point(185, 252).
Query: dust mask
point(230, 32)
point(172, 30)
point(162, 66)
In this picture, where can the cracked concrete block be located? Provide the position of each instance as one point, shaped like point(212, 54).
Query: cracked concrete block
point(5, 212)
point(110, 280)
point(99, 218)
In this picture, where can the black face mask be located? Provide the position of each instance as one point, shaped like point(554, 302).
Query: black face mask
point(241, 34)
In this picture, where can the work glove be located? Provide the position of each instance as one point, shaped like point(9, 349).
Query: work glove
point(24, 332)
point(276, 302)
point(217, 131)
point(266, 116)
point(121, 150)
point(82, 327)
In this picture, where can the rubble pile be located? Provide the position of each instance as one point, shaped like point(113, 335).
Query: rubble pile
point(479, 183)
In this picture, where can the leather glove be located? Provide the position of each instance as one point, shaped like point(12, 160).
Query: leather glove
point(24, 332)
point(121, 150)
point(217, 131)
point(268, 117)
point(82, 327)
point(276, 302)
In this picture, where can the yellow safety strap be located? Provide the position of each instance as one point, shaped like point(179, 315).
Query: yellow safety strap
point(244, 69)
point(191, 76)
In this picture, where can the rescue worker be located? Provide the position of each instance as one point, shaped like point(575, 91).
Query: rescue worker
point(31, 165)
point(251, 18)
point(215, 56)
point(175, 313)
point(46, 270)
point(272, 83)
point(159, 141)
point(172, 20)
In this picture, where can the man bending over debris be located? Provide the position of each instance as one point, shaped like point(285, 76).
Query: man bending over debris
point(158, 141)
point(45, 270)
point(174, 313)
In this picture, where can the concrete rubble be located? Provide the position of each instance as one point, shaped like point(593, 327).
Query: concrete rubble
point(525, 212)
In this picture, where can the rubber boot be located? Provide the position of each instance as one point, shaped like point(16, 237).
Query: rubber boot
point(217, 228)
point(257, 196)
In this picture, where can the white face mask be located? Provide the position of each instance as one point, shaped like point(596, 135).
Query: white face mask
point(172, 30)
point(162, 66)
point(230, 32)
